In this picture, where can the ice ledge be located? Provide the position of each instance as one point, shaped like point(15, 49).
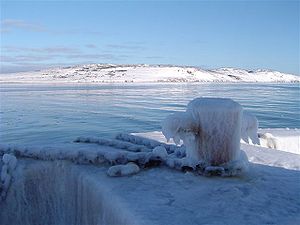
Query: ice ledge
point(63, 193)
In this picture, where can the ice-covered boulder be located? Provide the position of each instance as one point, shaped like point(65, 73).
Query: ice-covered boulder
point(210, 129)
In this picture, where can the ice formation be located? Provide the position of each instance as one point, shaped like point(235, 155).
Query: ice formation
point(269, 140)
point(8, 165)
point(160, 152)
point(123, 170)
point(210, 129)
point(249, 129)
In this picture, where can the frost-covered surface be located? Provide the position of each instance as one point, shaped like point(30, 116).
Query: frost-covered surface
point(110, 73)
point(67, 193)
point(257, 154)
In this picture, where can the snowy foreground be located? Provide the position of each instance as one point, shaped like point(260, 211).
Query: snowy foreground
point(109, 73)
point(71, 184)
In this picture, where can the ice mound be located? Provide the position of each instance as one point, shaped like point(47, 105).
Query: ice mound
point(210, 130)
point(8, 165)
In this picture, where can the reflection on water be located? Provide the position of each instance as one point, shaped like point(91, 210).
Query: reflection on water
point(48, 114)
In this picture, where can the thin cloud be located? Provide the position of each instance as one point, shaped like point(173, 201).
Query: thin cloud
point(77, 31)
point(125, 47)
point(10, 24)
point(49, 50)
point(154, 57)
point(25, 58)
point(92, 46)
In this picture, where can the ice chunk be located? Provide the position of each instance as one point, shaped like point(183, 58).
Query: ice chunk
point(249, 129)
point(123, 170)
point(4, 172)
point(210, 129)
point(9, 163)
point(176, 124)
point(268, 140)
point(160, 152)
point(10, 160)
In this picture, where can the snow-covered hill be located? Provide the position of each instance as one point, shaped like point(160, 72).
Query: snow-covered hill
point(109, 73)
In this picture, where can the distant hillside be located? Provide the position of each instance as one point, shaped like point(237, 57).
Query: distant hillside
point(109, 73)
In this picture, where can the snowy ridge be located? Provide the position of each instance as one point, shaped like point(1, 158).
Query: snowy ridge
point(110, 73)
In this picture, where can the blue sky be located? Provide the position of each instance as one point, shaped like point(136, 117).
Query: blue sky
point(209, 34)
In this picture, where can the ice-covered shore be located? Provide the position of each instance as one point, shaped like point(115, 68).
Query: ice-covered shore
point(110, 73)
point(57, 191)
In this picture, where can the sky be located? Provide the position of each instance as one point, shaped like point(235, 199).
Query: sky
point(208, 34)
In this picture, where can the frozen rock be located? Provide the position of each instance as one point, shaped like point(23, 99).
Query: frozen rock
point(123, 170)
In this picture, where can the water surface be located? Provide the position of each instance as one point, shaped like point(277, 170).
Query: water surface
point(39, 115)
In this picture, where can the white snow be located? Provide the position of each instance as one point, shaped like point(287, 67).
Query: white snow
point(110, 73)
point(159, 182)
point(67, 193)
point(281, 139)
point(257, 154)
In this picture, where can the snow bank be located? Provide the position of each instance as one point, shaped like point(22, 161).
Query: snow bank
point(255, 153)
point(281, 139)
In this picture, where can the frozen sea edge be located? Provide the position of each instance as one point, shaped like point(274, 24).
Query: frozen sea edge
point(43, 192)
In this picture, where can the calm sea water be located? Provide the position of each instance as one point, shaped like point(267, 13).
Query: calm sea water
point(39, 115)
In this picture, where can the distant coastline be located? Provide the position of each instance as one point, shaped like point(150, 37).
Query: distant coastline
point(144, 73)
